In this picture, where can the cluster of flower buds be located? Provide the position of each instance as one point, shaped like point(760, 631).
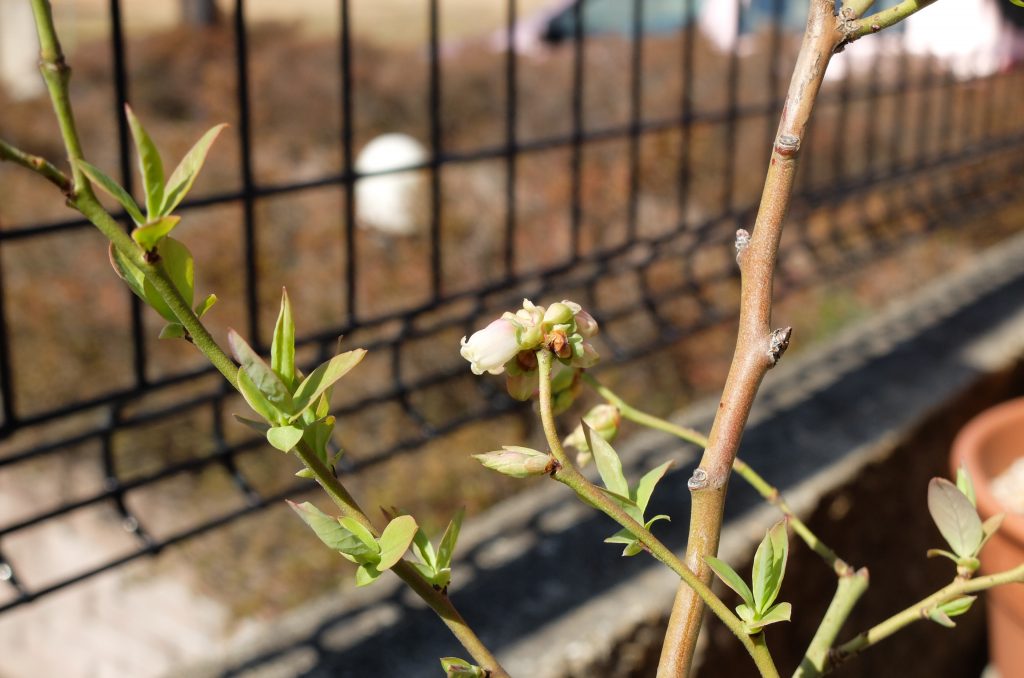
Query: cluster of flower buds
point(511, 342)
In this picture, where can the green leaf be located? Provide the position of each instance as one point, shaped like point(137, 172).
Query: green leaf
point(990, 527)
point(424, 550)
point(745, 613)
point(136, 280)
point(172, 331)
point(205, 305)
point(955, 516)
point(259, 426)
point(366, 574)
point(363, 535)
point(395, 540)
point(460, 668)
point(958, 606)
point(257, 401)
point(150, 234)
point(775, 614)
point(632, 549)
point(177, 262)
point(266, 380)
point(731, 579)
point(446, 548)
point(282, 348)
point(644, 489)
point(328, 529)
point(770, 566)
point(1019, 3)
point(284, 438)
point(941, 618)
point(607, 460)
point(966, 485)
point(305, 473)
point(113, 189)
point(623, 536)
point(184, 175)
point(323, 377)
point(150, 165)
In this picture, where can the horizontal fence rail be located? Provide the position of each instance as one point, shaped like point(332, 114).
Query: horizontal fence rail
point(922, 138)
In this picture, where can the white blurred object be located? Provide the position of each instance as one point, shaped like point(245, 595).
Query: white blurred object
point(19, 51)
point(387, 203)
point(989, 45)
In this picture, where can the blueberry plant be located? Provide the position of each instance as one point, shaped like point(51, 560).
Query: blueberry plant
point(545, 354)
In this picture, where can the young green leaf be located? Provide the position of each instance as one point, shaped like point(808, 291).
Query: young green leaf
point(328, 529)
point(265, 379)
point(150, 165)
point(366, 574)
point(395, 540)
point(958, 606)
point(362, 534)
point(770, 566)
point(148, 235)
point(205, 305)
point(177, 262)
point(966, 485)
point(258, 426)
point(773, 615)
point(642, 495)
point(113, 189)
point(282, 348)
point(955, 516)
point(460, 668)
point(731, 579)
point(172, 331)
point(607, 461)
point(446, 549)
point(941, 618)
point(184, 175)
point(284, 438)
point(136, 280)
point(257, 401)
point(323, 377)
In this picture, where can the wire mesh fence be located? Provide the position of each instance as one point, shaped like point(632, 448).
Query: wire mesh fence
point(595, 153)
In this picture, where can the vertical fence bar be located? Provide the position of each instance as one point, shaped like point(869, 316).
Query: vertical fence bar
point(248, 185)
point(511, 106)
point(576, 140)
point(686, 111)
point(127, 180)
point(636, 94)
point(731, 115)
point(348, 166)
point(436, 153)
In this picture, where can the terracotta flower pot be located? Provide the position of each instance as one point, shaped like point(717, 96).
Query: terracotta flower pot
point(987, 446)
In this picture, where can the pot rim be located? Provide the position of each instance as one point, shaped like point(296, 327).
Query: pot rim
point(966, 450)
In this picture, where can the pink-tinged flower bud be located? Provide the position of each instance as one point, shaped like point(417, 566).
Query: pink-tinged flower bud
point(523, 385)
point(490, 348)
point(588, 359)
point(604, 420)
point(518, 462)
point(585, 324)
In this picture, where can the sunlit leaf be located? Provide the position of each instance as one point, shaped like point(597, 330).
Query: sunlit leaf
point(265, 379)
point(328, 529)
point(395, 540)
point(363, 534)
point(257, 401)
point(184, 175)
point(259, 426)
point(730, 578)
point(113, 189)
point(172, 331)
point(284, 438)
point(646, 486)
point(769, 566)
point(366, 574)
point(150, 165)
point(323, 377)
point(966, 485)
point(955, 516)
point(205, 305)
point(150, 234)
point(607, 461)
point(446, 548)
point(775, 614)
point(282, 347)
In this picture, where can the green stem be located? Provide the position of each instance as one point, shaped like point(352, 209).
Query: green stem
point(919, 610)
point(766, 490)
point(858, 28)
point(850, 588)
point(437, 600)
point(56, 75)
point(567, 474)
point(39, 165)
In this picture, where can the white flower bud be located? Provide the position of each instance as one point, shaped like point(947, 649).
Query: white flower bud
point(490, 348)
point(585, 324)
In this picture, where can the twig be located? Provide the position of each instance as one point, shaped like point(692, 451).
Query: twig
point(567, 474)
point(854, 28)
point(40, 166)
point(755, 352)
point(919, 610)
point(849, 589)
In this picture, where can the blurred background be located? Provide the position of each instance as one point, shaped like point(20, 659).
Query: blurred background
point(409, 169)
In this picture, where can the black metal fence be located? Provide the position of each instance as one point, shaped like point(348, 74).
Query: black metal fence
point(643, 205)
